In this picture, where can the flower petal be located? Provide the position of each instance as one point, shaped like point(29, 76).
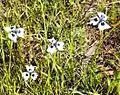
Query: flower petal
point(102, 16)
point(94, 21)
point(51, 49)
point(103, 26)
point(20, 32)
point(10, 29)
point(13, 37)
point(30, 68)
point(52, 40)
point(59, 45)
point(25, 75)
point(34, 75)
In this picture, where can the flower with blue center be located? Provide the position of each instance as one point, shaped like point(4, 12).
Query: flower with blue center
point(14, 33)
point(99, 21)
point(55, 45)
point(30, 73)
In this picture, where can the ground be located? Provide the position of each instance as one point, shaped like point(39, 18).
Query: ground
point(89, 64)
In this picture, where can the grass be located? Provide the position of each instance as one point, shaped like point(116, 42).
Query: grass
point(63, 73)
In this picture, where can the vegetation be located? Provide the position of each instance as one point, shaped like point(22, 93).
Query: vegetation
point(74, 71)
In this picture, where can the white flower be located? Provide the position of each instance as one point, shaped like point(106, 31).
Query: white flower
point(30, 68)
point(13, 37)
point(99, 21)
point(55, 45)
point(94, 21)
point(52, 40)
point(14, 32)
point(102, 16)
point(34, 75)
point(25, 75)
point(59, 45)
point(20, 32)
point(10, 29)
point(103, 25)
point(30, 73)
point(51, 49)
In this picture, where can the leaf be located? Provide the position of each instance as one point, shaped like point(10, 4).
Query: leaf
point(92, 49)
